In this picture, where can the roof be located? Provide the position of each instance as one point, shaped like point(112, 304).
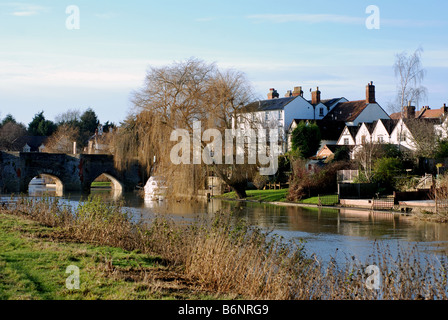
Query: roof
point(369, 125)
point(428, 113)
point(424, 113)
point(347, 111)
point(353, 130)
point(330, 102)
point(34, 142)
point(267, 105)
point(389, 124)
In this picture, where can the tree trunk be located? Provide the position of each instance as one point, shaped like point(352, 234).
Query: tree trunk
point(240, 189)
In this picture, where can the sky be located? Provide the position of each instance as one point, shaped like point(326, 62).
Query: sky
point(58, 55)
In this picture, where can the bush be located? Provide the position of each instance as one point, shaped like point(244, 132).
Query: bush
point(307, 184)
point(385, 170)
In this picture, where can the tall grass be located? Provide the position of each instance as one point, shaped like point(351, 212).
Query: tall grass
point(225, 254)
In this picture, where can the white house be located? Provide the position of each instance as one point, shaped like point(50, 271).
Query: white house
point(442, 129)
point(348, 136)
point(284, 113)
point(401, 135)
point(364, 134)
point(382, 130)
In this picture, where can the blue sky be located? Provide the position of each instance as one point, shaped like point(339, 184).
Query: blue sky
point(277, 44)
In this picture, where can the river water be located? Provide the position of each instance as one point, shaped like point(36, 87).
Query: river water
point(338, 233)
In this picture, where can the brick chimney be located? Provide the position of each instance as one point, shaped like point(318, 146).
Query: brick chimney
point(297, 92)
point(273, 94)
point(288, 94)
point(409, 111)
point(445, 109)
point(370, 93)
point(315, 96)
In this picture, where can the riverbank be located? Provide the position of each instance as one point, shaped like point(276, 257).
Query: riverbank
point(218, 256)
point(421, 210)
point(34, 259)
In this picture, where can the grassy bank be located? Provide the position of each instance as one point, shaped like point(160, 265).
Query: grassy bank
point(101, 184)
point(259, 195)
point(212, 257)
point(34, 259)
point(280, 196)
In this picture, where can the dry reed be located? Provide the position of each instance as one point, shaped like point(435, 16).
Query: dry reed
point(227, 255)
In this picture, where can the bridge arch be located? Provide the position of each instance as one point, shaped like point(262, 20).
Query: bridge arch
point(117, 187)
point(59, 185)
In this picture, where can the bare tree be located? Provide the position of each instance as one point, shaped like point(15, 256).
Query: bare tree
point(71, 116)
point(10, 133)
point(62, 140)
point(175, 97)
point(423, 137)
point(410, 74)
point(365, 156)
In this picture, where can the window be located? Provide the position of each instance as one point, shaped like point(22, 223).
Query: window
point(321, 112)
point(403, 137)
point(266, 116)
point(380, 139)
point(363, 139)
point(279, 114)
point(346, 141)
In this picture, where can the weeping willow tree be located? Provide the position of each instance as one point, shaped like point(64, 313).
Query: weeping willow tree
point(176, 97)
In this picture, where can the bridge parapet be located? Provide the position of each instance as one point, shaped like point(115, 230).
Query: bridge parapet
point(75, 172)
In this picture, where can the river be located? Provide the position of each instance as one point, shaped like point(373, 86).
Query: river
point(339, 233)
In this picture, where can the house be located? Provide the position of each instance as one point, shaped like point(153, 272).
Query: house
point(364, 133)
point(442, 129)
point(31, 144)
point(382, 130)
point(426, 112)
point(328, 151)
point(356, 112)
point(281, 113)
point(348, 136)
point(406, 131)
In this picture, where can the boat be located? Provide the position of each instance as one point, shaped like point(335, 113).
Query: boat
point(155, 189)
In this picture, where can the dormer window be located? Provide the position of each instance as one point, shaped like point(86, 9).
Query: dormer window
point(321, 112)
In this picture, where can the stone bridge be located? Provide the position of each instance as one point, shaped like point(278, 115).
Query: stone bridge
point(71, 172)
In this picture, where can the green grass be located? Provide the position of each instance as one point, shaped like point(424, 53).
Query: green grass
point(260, 195)
point(328, 200)
point(102, 184)
point(33, 267)
point(280, 196)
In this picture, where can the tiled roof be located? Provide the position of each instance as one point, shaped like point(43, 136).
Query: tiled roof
point(428, 113)
point(389, 124)
point(424, 113)
point(267, 105)
point(353, 130)
point(346, 111)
